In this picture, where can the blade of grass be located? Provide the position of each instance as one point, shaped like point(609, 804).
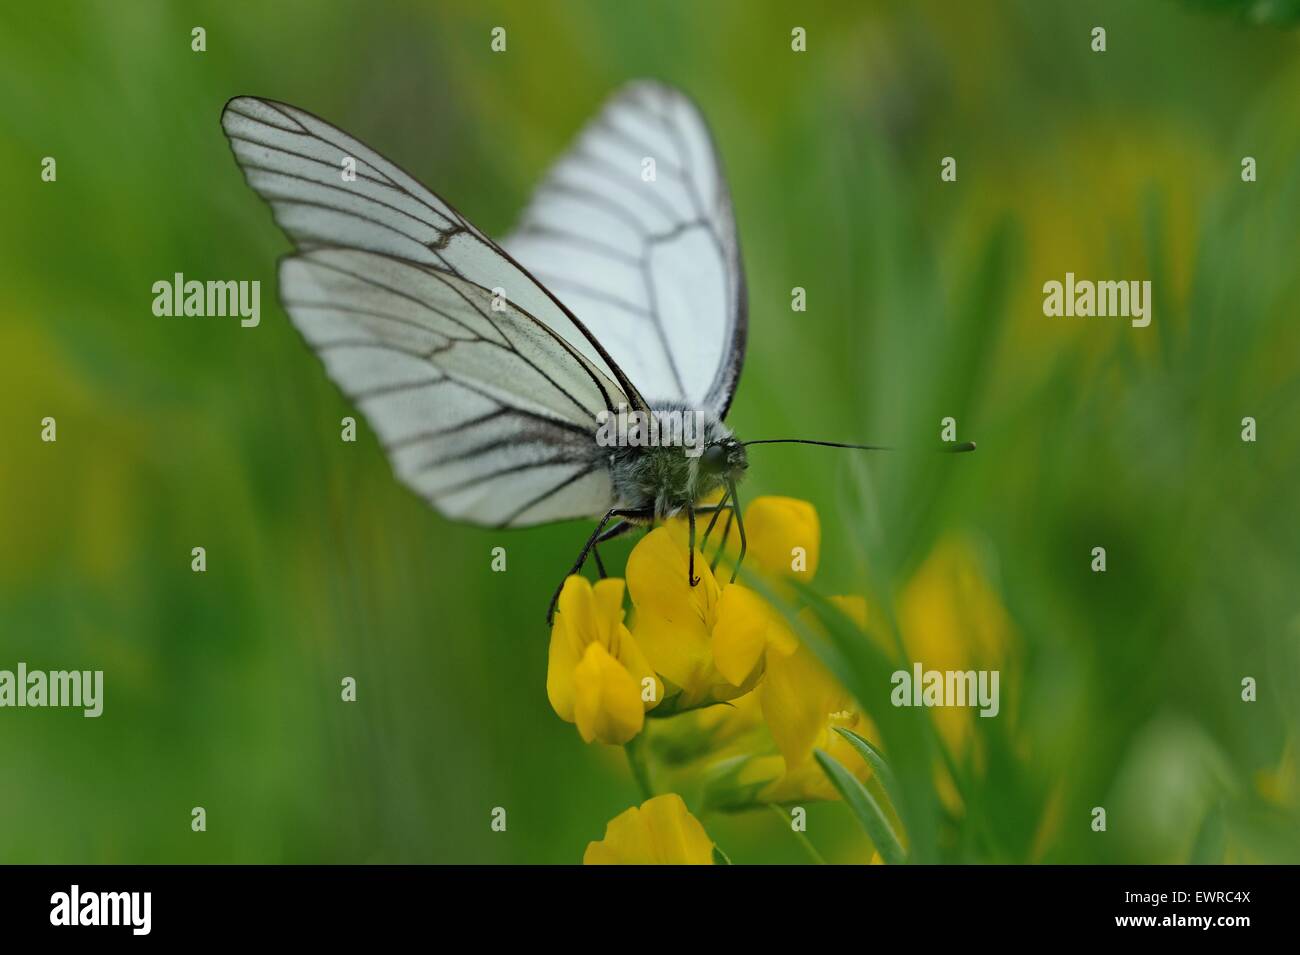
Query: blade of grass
point(865, 808)
point(875, 760)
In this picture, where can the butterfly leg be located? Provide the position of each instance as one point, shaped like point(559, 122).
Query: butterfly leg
point(586, 549)
point(690, 567)
point(722, 545)
point(716, 509)
point(740, 526)
point(618, 530)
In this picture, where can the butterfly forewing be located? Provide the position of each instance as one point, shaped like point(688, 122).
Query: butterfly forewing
point(485, 409)
point(328, 189)
point(633, 230)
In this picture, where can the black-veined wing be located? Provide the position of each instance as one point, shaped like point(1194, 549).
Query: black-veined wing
point(482, 412)
point(327, 188)
point(483, 390)
point(645, 255)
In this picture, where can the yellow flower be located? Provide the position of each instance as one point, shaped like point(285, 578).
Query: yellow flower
point(950, 619)
point(676, 623)
point(784, 538)
point(597, 676)
point(784, 544)
point(802, 704)
point(742, 637)
point(759, 747)
point(661, 832)
point(709, 640)
point(1279, 785)
point(715, 642)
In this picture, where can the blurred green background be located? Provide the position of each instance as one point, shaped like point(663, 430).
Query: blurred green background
point(924, 300)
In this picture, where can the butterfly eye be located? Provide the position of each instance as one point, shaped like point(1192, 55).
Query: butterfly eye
point(714, 459)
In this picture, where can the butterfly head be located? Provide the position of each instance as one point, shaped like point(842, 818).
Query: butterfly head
point(724, 460)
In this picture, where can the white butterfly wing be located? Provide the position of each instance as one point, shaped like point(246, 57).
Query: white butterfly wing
point(326, 188)
point(650, 263)
point(485, 407)
point(480, 411)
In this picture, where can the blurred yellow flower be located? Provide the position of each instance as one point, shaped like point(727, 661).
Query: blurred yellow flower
point(759, 747)
point(951, 619)
point(802, 704)
point(710, 733)
point(1281, 784)
point(597, 676)
point(661, 832)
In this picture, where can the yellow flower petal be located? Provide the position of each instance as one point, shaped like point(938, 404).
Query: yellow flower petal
point(740, 636)
point(607, 598)
point(680, 652)
point(784, 537)
point(656, 578)
point(797, 696)
point(805, 780)
point(593, 617)
point(803, 704)
point(661, 832)
point(674, 620)
point(607, 700)
point(575, 616)
point(621, 644)
point(577, 606)
point(628, 653)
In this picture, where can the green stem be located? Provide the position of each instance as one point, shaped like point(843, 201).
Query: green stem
point(801, 836)
point(636, 762)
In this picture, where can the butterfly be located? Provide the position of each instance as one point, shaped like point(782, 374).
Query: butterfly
point(487, 369)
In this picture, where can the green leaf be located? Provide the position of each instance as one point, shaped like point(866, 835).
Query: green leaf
point(875, 760)
point(720, 857)
point(865, 807)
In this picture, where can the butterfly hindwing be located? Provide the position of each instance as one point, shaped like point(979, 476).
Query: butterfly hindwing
point(480, 411)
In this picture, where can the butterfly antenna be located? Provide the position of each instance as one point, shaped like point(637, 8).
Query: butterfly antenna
point(948, 448)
